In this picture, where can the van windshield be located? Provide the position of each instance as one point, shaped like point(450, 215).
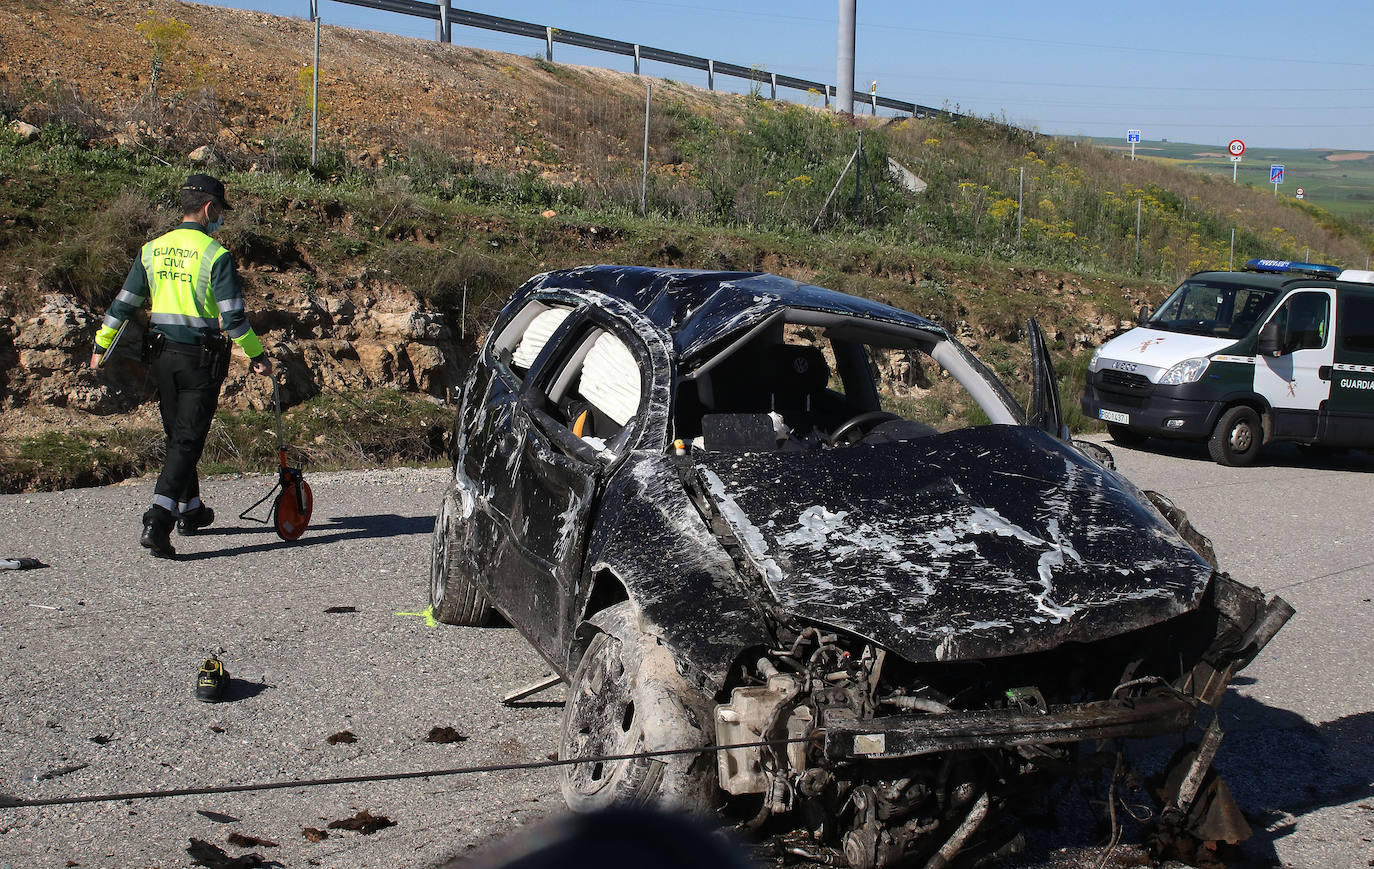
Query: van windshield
point(1220, 310)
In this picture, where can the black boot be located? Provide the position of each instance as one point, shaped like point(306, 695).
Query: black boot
point(191, 521)
point(157, 532)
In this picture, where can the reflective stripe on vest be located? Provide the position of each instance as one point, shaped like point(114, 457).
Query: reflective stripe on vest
point(178, 266)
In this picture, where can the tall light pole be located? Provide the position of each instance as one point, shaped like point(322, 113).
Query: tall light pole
point(315, 85)
point(844, 59)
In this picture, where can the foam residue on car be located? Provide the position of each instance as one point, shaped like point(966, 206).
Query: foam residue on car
point(933, 548)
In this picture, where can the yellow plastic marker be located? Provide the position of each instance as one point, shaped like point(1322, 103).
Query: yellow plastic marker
point(427, 615)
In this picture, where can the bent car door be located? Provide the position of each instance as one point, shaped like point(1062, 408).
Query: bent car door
point(581, 414)
point(1298, 381)
point(494, 425)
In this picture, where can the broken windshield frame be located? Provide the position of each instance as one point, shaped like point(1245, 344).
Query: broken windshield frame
point(1213, 309)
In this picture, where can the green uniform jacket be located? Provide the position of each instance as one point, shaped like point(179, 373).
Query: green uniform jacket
point(195, 292)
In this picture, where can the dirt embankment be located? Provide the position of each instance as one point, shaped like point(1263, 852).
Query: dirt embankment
point(236, 90)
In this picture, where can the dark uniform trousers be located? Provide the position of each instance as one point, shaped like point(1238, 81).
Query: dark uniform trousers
point(188, 384)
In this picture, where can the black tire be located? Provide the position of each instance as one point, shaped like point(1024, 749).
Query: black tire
point(454, 597)
point(626, 697)
point(1124, 436)
point(1236, 439)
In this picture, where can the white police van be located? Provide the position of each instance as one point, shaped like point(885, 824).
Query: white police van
point(1283, 351)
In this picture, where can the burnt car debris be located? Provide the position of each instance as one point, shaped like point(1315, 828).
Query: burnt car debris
point(694, 494)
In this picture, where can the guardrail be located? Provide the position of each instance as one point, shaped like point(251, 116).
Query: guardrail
point(446, 16)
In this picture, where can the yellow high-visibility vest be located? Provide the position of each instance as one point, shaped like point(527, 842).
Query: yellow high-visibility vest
point(178, 267)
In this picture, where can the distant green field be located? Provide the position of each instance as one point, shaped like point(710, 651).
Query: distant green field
point(1342, 182)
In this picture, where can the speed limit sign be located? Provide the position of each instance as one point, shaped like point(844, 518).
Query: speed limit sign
point(1237, 147)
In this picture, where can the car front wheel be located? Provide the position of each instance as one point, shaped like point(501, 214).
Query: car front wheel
point(454, 597)
point(1236, 439)
point(626, 697)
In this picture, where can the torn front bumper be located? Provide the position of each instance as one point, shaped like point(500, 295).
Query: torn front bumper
point(917, 734)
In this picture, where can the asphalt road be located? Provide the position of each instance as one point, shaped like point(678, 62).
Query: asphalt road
point(99, 651)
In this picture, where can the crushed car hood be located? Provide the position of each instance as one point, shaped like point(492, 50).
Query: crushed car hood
point(984, 542)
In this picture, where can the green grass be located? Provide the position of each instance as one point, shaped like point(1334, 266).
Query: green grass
point(1342, 186)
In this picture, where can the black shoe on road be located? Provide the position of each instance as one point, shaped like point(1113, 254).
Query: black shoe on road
point(211, 681)
point(191, 521)
point(157, 533)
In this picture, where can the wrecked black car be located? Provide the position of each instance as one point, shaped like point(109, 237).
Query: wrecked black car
point(732, 509)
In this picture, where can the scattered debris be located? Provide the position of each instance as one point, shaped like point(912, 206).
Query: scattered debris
point(345, 736)
point(239, 840)
point(101, 738)
point(444, 735)
point(217, 817)
point(43, 606)
point(216, 728)
point(341, 609)
point(213, 856)
point(532, 688)
point(314, 835)
point(58, 772)
point(364, 822)
point(20, 564)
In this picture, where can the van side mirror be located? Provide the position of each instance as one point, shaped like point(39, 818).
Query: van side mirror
point(1271, 340)
point(1143, 315)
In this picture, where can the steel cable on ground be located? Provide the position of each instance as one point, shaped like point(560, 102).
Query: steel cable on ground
point(9, 802)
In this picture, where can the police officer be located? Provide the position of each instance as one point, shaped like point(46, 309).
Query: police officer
point(195, 292)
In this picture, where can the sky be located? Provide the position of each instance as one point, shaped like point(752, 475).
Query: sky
point(1204, 73)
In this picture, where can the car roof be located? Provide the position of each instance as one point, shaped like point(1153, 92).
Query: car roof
point(1267, 280)
point(697, 308)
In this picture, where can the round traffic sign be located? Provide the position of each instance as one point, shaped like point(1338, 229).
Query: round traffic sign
point(1301, 193)
point(1237, 147)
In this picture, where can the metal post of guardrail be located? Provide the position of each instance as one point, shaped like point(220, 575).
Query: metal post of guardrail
point(827, 96)
point(1137, 232)
point(710, 75)
point(1020, 200)
point(548, 44)
point(644, 175)
point(315, 86)
point(636, 59)
point(445, 23)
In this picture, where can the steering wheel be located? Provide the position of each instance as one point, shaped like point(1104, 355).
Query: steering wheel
point(865, 421)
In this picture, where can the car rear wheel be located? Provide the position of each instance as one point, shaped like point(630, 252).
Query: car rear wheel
point(1236, 439)
point(454, 597)
point(1123, 435)
point(626, 697)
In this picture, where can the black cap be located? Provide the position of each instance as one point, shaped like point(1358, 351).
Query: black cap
point(210, 185)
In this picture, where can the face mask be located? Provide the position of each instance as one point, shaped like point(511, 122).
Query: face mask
point(215, 224)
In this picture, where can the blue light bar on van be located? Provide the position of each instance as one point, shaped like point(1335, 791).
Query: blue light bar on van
point(1282, 265)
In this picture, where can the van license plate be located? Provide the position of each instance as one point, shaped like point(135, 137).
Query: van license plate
point(1113, 416)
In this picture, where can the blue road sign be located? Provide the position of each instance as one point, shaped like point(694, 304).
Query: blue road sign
point(1276, 173)
point(1132, 135)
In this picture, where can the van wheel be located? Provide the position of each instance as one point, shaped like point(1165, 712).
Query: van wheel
point(1123, 435)
point(1236, 439)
